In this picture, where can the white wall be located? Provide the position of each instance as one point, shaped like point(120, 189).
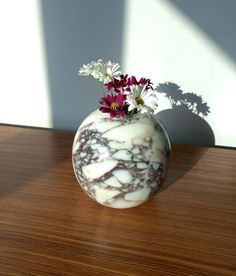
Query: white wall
point(43, 44)
point(24, 91)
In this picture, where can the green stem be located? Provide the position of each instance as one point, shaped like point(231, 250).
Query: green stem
point(102, 88)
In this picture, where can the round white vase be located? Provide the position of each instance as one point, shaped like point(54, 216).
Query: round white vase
point(120, 162)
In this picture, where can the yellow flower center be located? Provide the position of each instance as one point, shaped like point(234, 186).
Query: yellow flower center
point(114, 105)
point(139, 100)
point(107, 74)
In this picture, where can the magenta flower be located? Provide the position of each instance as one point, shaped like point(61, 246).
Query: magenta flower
point(147, 82)
point(143, 81)
point(113, 104)
point(117, 84)
point(133, 81)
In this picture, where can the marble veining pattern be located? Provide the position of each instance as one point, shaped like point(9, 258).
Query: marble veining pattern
point(120, 162)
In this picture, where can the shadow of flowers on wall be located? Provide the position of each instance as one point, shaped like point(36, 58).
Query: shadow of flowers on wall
point(185, 121)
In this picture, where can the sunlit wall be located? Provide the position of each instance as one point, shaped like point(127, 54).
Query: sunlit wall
point(24, 93)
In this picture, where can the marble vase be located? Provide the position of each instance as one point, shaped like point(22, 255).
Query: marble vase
point(120, 162)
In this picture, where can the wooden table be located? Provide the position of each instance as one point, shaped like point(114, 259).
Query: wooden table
point(49, 226)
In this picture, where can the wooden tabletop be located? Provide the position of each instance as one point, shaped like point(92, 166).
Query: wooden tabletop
point(49, 226)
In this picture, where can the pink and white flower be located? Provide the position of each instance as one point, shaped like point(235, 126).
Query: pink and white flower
point(122, 95)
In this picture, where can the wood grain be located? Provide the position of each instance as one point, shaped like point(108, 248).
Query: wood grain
point(49, 226)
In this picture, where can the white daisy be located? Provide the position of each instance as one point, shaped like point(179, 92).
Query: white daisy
point(142, 99)
point(103, 71)
point(109, 71)
point(91, 69)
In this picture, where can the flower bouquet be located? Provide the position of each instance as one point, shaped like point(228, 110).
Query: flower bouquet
point(121, 95)
point(121, 151)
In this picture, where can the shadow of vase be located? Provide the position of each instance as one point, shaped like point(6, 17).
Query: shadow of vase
point(183, 159)
point(186, 130)
point(186, 127)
